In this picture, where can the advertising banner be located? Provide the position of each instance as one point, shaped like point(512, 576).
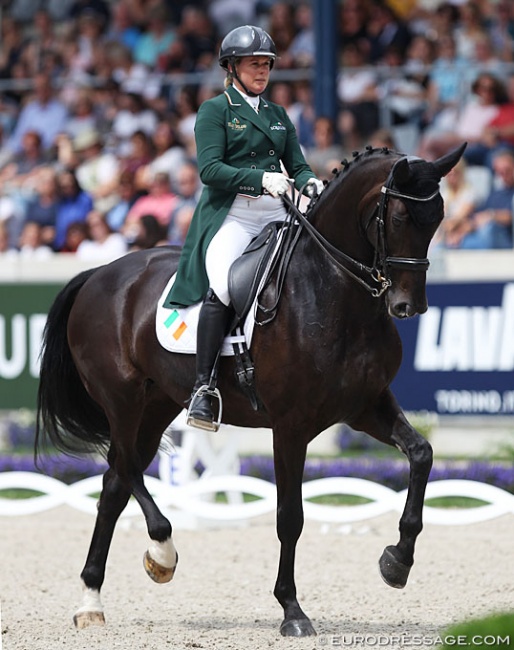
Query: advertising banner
point(23, 313)
point(459, 356)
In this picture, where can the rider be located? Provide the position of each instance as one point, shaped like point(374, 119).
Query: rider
point(241, 140)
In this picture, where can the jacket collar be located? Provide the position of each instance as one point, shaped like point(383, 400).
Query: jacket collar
point(237, 102)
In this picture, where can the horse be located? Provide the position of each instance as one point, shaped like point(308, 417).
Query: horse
point(327, 356)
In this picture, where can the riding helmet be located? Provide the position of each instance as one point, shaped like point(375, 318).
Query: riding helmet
point(246, 41)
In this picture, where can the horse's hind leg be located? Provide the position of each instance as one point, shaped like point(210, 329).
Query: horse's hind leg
point(388, 424)
point(128, 457)
point(289, 458)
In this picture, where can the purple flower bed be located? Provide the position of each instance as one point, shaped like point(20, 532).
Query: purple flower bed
point(389, 472)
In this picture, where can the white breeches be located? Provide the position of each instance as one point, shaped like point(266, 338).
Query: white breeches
point(245, 219)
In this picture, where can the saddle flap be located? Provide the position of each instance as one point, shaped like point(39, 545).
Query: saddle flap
point(246, 271)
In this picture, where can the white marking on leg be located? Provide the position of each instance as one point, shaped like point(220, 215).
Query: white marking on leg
point(163, 553)
point(90, 601)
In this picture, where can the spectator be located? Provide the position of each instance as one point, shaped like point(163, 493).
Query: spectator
point(140, 154)
point(491, 225)
point(281, 28)
point(25, 164)
point(131, 76)
point(43, 114)
point(459, 203)
point(5, 241)
point(31, 243)
point(185, 106)
point(353, 25)
point(127, 194)
point(160, 202)
point(302, 51)
point(133, 115)
point(147, 232)
point(122, 29)
point(97, 170)
point(170, 155)
point(156, 38)
point(82, 118)
point(197, 34)
point(104, 243)
point(488, 93)
point(385, 30)
point(469, 30)
point(42, 208)
point(74, 206)
point(326, 153)
point(501, 30)
point(189, 188)
point(86, 7)
point(358, 94)
point(76, 233)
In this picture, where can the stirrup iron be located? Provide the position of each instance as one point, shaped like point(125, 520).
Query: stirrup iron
point(204, 424)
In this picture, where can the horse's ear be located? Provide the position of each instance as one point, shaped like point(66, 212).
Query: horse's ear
point(447, 162)
point(401, 172)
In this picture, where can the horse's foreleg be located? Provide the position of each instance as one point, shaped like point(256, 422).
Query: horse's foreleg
point(388, 424)
point(113, 499)
point(396, 561)
point(289, 463)
point(160, 560)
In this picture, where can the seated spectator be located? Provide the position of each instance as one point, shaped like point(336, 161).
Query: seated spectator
point(97, 170)
point(127, 194)
point(169, 155)
point(469, 30)
point(302, 51)
point(160, 201)
point(459, 203)
point(189, 188)
point(147, 232)
point(133, 115)
point(131, 76)
point(31, 242)
point(497, 135)
point(122, 28)
point(326, 153)
point(197, 33)
point(42, 208)
point(385, 30)
point(156, 38)
point(76, 233)
point(104, 243)
point(82, 118)
point(488, 93)
point(43, 114)
point(358, 93)
point(74, 206)
point(140, 154)
point(491, 225)
point(25, 164)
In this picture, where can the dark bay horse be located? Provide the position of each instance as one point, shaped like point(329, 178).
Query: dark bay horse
point(328, 356)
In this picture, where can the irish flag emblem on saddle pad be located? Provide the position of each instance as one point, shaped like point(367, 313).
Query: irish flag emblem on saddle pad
point(176, 328)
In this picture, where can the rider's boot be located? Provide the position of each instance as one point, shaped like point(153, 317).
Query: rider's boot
point(213, 323)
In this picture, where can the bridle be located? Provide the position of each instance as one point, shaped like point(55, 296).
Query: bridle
point(378, 274)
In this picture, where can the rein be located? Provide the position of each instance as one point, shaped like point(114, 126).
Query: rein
point(382, 262)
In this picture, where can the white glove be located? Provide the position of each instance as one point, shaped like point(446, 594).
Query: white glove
point(275, 183)
point(314, 187)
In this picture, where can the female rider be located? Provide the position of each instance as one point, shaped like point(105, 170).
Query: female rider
point(241, 141)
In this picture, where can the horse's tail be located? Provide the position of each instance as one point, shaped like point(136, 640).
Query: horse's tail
point(67, 417)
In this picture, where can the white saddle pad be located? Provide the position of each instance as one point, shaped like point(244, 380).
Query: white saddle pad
point(176, 328)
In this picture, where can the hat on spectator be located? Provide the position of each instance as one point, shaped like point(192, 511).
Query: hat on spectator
point(87, 139)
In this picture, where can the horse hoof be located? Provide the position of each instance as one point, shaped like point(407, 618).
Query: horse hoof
point(157, 572)
point(393, 572)
point(88, 619)
point(297, 627)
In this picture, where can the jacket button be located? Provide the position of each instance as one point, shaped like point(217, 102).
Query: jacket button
point(253, 166)
point(253, 154)
point(271, 152)
point(272, 167)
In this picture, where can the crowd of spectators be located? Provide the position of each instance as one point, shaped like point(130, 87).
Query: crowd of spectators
point(98, 102)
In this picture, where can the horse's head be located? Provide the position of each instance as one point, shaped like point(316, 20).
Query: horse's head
point(411, 209)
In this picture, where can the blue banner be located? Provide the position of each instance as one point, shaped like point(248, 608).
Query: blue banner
point(458, 357)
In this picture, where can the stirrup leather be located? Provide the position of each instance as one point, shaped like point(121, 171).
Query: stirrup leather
point(204, 424)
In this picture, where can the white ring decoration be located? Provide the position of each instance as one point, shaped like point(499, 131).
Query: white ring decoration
point(195, 498)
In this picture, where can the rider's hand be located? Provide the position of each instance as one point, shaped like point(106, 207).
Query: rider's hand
point(314, 187)
point(276, 184)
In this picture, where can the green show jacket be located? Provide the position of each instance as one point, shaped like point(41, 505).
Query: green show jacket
point(235, 146)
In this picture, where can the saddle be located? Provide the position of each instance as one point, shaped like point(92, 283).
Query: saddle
point(268, 252)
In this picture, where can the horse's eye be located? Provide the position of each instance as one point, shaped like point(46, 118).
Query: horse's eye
point(399, 219)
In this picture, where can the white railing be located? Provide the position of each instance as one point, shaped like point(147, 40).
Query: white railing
point(193, 503)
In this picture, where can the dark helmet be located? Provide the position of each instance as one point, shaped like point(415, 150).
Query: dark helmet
point(246, 41)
